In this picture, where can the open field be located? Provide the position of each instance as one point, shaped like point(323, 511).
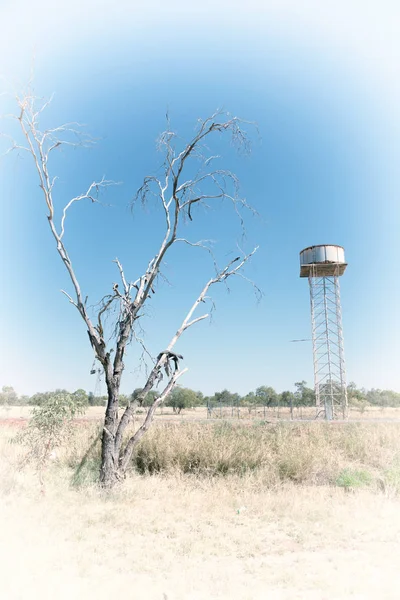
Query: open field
point(290, 526)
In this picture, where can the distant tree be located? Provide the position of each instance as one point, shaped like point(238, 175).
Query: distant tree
point(207, 400)
point(266, 396)
point(136, 398)
point(81, 398)
point(96, 400)
point(383, 398)
point(200, 399)
point(124, 400)
point(355, 396)
point(181, 398)
point(226, 397)
point(249, 399)
point(187, 182)
point(287, 398)
point(304, 396)
point(101, 400)
point(392, 398)
point(8, 396)
point(42, 397)
point(24, 400)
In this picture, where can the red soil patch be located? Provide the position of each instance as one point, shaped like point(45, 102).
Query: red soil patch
point(20, 422)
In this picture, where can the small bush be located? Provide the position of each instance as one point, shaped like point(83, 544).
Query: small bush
point(49, 427)
point(351, 479)
point(391, 478)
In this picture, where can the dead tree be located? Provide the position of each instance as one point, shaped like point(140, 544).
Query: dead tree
point(178, 193)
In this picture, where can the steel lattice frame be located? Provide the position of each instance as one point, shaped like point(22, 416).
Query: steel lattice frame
point(328, 349)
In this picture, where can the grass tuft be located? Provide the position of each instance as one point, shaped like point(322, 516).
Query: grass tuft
point(350, 479)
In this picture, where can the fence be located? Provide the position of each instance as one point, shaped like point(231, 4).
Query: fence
point(268, 412)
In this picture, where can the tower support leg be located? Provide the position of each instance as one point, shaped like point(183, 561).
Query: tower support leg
point(328, 347)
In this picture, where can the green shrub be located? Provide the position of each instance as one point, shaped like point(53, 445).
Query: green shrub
point(352, 479)
point(49, 427)
point(391, 478)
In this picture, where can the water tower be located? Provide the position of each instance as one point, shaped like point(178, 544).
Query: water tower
point(323, 265)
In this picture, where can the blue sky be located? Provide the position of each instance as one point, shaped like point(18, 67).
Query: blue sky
point(323, 85)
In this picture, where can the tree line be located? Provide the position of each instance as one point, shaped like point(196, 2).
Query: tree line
point(183, 398)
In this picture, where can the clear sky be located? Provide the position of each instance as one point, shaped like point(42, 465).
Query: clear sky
point(322, 81)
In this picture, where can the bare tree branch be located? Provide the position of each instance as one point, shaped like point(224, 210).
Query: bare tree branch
point(201, 244)
point(233, 268)
point(69, 298)
point(121, 271)
point(91, 194)
point(184, 194)
point(127, 453)
point(228, 271)
point(28, 119)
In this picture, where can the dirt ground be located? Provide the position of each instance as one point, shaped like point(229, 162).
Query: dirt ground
point(167, 541)
point(177, 537)
point(186, 539)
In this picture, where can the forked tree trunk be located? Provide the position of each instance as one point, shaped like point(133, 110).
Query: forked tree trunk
point(116, 452)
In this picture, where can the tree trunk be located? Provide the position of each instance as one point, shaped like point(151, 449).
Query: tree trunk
point(109, 475)
point(109, 462)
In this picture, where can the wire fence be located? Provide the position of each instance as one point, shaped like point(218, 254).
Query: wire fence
point(268, 412)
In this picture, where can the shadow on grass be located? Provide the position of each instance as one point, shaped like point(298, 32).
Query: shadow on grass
point(87, 471)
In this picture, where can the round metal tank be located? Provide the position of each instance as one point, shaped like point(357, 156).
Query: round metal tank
point(322, 260)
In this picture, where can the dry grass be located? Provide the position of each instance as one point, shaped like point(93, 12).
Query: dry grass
point(96, 413)
point(306, 453)
point(181, 537)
